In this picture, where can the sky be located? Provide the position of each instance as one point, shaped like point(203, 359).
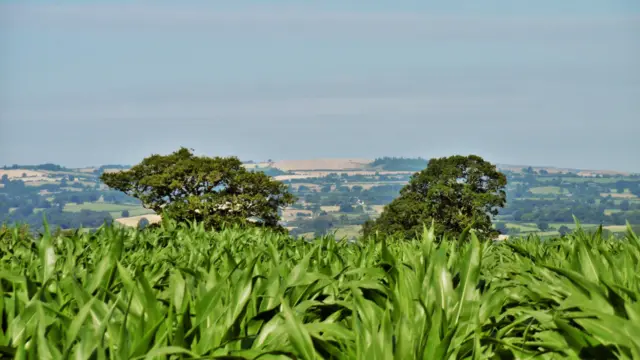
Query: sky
point(543, 83)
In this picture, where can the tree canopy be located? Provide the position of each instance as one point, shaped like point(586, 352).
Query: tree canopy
point(453, 192)
point(215, 191)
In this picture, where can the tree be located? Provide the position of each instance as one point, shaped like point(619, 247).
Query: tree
point(346, 208)
point(321, 225)
point(454, 193)
point(564, 230)
point(5, 179)
point(315, 208)
point(624, 205)
point(143, 223)
point(214, 191)
point(125, 213)
point(543, 226)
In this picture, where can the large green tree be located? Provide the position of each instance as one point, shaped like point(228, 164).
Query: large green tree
point(215, 191)
point(452, 192)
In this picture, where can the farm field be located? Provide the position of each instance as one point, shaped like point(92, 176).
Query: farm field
point(530, 227)
point(539, 197)
point(349, 232)
point(290, 214)
point(18, 174)
point(322, 164)
point(132, 221)
point(546, 190)
point(619, 195)
point(616, 228)
point(280, 298)
point(330, 208)
point(114, 209)
point(611, 211)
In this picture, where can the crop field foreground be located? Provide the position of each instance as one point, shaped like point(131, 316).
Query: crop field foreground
point(182, 292)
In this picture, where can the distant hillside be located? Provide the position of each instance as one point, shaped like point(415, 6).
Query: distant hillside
point(44, 167)
point(399, 164)
point(557, 170)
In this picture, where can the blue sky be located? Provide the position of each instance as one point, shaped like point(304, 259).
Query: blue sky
point(537, 82)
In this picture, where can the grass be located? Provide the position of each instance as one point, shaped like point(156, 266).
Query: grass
point(625, 195)
point(182, 292)
point(533, 228)
point(114, 209)
point(616, 228)
point(522, 227)
point(546, 190)
point(348, 231)
point(573, 226)
point(594, 180)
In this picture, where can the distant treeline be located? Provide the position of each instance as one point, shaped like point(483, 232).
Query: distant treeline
point(400, 163)
point(45, 167)
point(271, 171)
point(99, 171)
point(563, 211)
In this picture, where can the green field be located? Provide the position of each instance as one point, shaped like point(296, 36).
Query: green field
point(523, 227)
point(183, 292)
point(114, 209)
point(348, 231)
point(596, 180)
point(546, 190)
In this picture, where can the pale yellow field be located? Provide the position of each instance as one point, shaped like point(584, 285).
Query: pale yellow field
point(322, 164)
point(290, 214)
point(330, 208)
point(601, 172)
point(619, 196)
point(133, 220)
point(37, 181)
point(616, 228)
point(17, 174)
point(378, 208)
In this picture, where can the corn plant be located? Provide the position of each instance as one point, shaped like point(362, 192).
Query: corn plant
point(180, 291)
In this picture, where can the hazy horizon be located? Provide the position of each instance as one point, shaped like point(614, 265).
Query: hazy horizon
point(541, 84)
